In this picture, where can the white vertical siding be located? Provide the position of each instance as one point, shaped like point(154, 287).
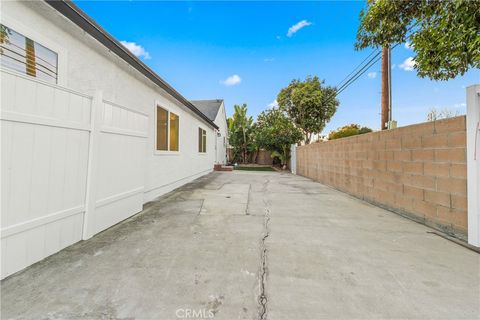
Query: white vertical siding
point(45, 132)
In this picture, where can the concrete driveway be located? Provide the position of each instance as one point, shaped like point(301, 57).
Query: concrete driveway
point(253, 245)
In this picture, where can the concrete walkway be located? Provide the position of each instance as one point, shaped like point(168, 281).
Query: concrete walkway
point(253, 245)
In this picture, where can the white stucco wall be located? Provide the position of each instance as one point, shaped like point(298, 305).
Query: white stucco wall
point(221, 122)
point(87, 66)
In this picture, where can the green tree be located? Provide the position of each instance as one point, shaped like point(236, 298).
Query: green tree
point(445, 35)
point(240, 132)
point(309, 104)
point(347, 131)
point(275, 132)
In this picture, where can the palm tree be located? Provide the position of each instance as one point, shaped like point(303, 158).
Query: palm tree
point(240, 127)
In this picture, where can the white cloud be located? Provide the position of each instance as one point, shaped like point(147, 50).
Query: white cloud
point(273, 104)
point(297, 26)
point(269, 59)
point(232, 80)
point(408, 64)
point(393, 66)
point(408, 45)
point(372, 75)
point(278, 37)
point(459, 105)
point(136, 49)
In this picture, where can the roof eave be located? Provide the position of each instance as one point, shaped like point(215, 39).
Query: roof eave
point(81, 19)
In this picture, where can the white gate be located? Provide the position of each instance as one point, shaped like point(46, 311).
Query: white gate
point(71, 166)
point(118, 163)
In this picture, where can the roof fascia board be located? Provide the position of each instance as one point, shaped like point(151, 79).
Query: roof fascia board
point(81, 19)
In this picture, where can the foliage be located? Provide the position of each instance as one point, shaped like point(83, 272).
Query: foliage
point(347, 131)
point(5, 33)
point(445, 35)
point(309, 104)
point(240, 127)
point(437, 114)
point(275, 132)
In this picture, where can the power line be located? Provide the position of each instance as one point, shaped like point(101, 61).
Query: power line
point(340, 83)
point(364, 69)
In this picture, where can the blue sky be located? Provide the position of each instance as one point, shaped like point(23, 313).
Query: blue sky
point(243, 52)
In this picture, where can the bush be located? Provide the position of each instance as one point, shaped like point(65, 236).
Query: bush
point(347, 131)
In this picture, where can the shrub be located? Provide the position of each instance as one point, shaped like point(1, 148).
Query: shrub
point(347, 131)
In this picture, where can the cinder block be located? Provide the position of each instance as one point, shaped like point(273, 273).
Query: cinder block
point(403, 202)
point(424, 208)
point(423, 155)
point(435, 141)
point(393, 144)
point(450, 155)
point(448, 216)
point(403, 155)
point(411, 142)
point(413, 192)
point(380, 165)
point(458, 170)
point(413, 167)
point(452, 185)
point(436, 169)
point(457, 139)
point(419, 181)
point(436, 197)
point(450, 125)
point(459, 202)
point(395, 166)
point(384, 155)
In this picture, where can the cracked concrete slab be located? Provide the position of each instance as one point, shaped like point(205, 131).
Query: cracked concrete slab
point(253, 245)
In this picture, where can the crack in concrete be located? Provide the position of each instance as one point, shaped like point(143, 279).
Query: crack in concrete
point(201, 207)
point(262, 297)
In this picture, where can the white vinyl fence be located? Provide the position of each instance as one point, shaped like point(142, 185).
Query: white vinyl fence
point(71, 166)
point(473, 164)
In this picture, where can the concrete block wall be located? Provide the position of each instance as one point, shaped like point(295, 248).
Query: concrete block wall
point(418, 170)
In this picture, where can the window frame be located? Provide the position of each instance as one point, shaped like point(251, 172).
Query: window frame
point(204, 146)
point(168, 151)
point(40, 38)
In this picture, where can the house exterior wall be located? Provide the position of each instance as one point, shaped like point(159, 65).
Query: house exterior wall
point(419, 170)
point(96, 129)
point(222, 140)
point(91, 67)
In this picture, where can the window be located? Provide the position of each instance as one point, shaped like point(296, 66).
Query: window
point(167, 130)
point(202, 140)
point(24, 55)
point(173, 132)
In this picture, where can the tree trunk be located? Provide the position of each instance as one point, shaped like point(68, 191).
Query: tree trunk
point(244, 146)
point(307, 137)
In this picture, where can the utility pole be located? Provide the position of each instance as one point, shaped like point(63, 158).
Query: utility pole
point(385, 87)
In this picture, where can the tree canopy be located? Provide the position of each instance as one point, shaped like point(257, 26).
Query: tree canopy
point(310, 104)
point(275, 132)
point(347, 131)
point(445, 35)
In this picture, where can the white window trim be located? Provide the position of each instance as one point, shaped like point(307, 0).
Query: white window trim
point(165, 152)
point(48, 43)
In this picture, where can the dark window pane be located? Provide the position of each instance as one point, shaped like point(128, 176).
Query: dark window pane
point(200, 140)
point(162, 129)
point(204, 141)
point(174, 122)
point(27, 56)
